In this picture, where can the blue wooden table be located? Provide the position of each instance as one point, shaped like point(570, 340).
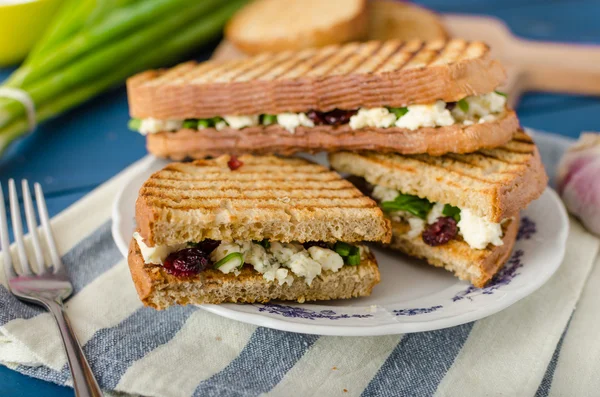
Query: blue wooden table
point(78, 151)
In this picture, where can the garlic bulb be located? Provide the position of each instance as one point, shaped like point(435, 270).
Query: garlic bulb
point(578, 180)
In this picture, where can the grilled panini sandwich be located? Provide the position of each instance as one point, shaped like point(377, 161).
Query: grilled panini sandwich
point(460, 212)
point(406, 97)
point(252, 229)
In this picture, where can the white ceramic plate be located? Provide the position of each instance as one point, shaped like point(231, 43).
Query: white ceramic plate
point(412, 296)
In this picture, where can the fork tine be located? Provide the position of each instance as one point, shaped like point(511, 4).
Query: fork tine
point(32, 226)
point(15, 213)
point(43, 214)
point(4, 240)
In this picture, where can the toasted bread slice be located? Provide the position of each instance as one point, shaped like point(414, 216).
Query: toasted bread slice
point(159, 289)
point(275, 25)
point(403, 21)
point(275, 139)
point(476, 266)
point(280, 199)
point(371, 74)
point(493, 183)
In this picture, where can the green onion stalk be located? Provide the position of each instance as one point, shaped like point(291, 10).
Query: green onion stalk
point(90, 49)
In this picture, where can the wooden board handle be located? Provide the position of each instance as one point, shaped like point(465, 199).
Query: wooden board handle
point(558, 67)
point(533, 65)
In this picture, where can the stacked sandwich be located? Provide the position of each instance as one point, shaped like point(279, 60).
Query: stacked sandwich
point(417, 125)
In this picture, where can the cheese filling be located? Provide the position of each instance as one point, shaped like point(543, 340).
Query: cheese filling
point(476, 231)
point(467, 111)
point(276, 261)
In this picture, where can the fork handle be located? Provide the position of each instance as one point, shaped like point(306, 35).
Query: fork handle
point(84, 383)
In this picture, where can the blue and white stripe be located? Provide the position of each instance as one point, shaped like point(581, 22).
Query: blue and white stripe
point(185, 351)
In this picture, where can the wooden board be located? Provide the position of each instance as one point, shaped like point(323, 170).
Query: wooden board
point(531, 65)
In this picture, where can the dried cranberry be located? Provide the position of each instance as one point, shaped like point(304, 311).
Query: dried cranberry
point(316, 117)
point(333, 117)
point(450, 105)
point(309, 244)
point(361, 184)
point(186, 263)
point(337, 116)
point(234, 163)
point(440, 232)
point(207, 246)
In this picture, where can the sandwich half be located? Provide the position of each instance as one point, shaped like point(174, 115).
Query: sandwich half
point(457, 211)
point(253, 229)
point(405, 97)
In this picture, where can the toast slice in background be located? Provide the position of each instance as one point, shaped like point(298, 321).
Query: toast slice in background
point(159, 289)
point(280, 199)
point(275, 25)
point(402, 20)
point(350, 76)
point(493, 183)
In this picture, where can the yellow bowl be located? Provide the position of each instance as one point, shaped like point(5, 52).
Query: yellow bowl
point(22, 22)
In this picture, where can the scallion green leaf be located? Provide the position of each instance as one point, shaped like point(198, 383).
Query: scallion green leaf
point(450, 210)
point(134, 124)
point(203, 123)
point(343, 249)
point(463, 105)
point(234, 256)
point(415, 205)
point(504, 94)
point(399, 112)
point(268, 119)
point(190, 123)
point(353, 260)
point(266, 244)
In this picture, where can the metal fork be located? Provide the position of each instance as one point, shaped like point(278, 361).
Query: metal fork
point(49, 286)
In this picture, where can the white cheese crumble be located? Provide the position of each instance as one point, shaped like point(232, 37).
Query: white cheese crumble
point(435, 213)
point(290, 121)
point(418, 116)
point(481, 109)
point(157, 254)
point(480, 106)
point(153, 126)
point(239, 122)
point(477, 231)
point(382, 193)
point(277, 263)
point(374, 117)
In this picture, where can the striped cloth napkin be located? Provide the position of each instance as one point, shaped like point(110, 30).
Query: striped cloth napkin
point(540, 346)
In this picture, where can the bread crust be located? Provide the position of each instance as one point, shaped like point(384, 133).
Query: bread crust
point(493, 183)
point(457, 138)
point(475, 266)
point(339, 30)
point(159, 289)
point(371, 74)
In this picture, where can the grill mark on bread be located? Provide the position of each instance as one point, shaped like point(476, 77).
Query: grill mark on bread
point(207, 89)
point(264, 67)
point(359, 57)
point(293, 63)
point(514, 180)
point(311, 63)
point(398, 47)
point(432, 164)
point(338, 58)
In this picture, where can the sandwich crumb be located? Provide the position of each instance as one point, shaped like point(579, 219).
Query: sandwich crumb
point(334, 368)
point(218, 338)
point(345, 390)
point(234, 163)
